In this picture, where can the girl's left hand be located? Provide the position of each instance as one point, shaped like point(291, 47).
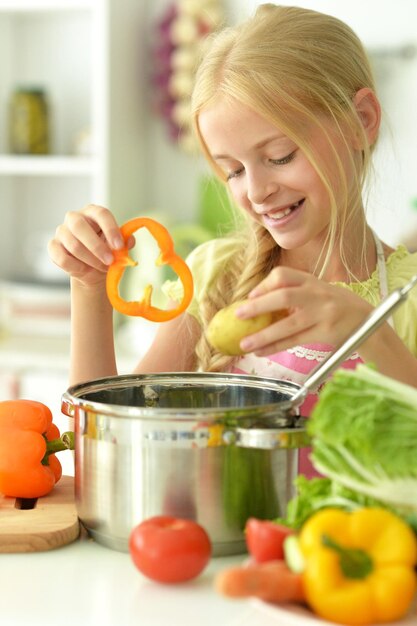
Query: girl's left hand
point(319, 312)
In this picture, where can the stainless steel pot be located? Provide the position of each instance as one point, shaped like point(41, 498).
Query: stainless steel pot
point(167, 444)
point(217, 448)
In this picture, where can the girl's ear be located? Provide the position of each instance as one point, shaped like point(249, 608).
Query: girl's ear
point(369, 110)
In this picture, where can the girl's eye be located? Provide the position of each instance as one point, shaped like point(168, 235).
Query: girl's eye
point(284, 160)
point(234, 174)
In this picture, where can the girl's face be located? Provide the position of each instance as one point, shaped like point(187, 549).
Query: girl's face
point(268, 175)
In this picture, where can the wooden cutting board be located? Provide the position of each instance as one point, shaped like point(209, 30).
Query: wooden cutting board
point(52, 522)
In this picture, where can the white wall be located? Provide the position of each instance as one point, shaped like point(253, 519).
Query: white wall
point(385, 27)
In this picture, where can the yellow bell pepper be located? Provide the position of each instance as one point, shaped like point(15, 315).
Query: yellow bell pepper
point(359, 566)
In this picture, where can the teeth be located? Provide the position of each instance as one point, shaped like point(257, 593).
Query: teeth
point(284, 212)
point(280, 214)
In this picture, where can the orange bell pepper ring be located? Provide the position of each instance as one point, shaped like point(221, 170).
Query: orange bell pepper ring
point(28, 443)
point(122, 260)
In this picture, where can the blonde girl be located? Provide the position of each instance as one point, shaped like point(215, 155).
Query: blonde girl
point(286, 112)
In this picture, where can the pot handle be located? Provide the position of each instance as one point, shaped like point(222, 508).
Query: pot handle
point(67, 406)
point(267, 438)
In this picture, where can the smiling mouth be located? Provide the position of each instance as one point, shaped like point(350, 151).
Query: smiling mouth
point(284, 212)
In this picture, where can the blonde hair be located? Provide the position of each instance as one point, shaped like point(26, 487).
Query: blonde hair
point(297, 68)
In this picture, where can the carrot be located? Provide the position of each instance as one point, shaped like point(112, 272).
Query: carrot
point(271, 581)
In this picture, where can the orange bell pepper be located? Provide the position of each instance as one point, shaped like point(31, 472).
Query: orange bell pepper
point(28, 441)
point(359, 567)
point(143, 307)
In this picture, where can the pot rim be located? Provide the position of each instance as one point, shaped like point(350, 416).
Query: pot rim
point(73, 397)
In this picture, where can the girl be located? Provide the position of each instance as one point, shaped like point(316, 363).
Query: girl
point(286, 113)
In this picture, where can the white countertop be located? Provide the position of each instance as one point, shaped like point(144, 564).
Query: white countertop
point(86, 584)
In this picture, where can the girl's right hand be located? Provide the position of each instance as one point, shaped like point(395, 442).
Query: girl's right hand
point(83, 244)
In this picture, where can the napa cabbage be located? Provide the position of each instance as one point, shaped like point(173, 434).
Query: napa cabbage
point(364, 430)
point(364, 443)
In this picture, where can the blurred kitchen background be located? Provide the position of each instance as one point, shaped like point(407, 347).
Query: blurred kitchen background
point(104, 86)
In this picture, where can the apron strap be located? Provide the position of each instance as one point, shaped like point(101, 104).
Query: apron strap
point(382, 272)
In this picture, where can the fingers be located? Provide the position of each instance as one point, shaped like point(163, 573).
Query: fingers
point(278, 278)
point(95, 229)
point(69, 264)
point(69, 247)
point(100, 219)
point(318, 311)
point(289, 331)
point(83, 245)
point(278, 299)
point(313, 310)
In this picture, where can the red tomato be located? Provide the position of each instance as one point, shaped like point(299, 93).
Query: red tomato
point(265, 539)
point(168, 549)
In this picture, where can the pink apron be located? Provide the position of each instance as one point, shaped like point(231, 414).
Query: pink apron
point(296, 363)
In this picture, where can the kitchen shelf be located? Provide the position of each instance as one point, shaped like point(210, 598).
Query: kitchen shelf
point(89, 58)
point(47, 165)
point(85, 55)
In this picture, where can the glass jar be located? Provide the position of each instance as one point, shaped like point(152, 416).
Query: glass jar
point(29, 124)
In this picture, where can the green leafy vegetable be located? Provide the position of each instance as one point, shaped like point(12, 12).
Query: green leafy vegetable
point(364, 442)
point(364, 430)
point(318, 493)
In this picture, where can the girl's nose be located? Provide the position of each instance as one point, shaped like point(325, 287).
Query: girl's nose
point(260, 187)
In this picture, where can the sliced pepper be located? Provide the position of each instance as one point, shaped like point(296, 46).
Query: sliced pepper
point(28, 442)
point(122, 260)
point(359, 566)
